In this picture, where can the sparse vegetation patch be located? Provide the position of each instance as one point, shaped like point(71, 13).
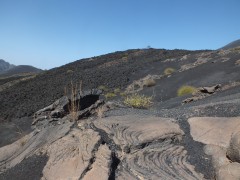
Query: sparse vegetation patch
point(169, 71)
point(117, 90)
point(138, 101)
point(149, 82)
point(110, 95)
point(103, 88)
point(185, 90)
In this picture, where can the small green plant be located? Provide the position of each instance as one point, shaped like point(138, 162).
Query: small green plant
point(138, 101)
point(117, 90)
point(149, 82)
point(70, 71)
point(123, 94)
point(103, 88)
point(185, 90)
point(168, 71)
point(110, 95)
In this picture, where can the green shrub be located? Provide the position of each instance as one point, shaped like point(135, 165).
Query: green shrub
point(169, 71)
point(185, 90)
point(110, 95)
point(149, 82)
point(138, 101)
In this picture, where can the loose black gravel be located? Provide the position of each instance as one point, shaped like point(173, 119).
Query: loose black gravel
point(29, 169)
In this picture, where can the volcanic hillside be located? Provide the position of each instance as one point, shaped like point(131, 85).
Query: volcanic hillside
point(114, 70)
point(233, 44)
point(186, 125)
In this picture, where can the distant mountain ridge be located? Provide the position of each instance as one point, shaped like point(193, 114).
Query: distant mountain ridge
point(231, 45)
point(21, 69)
point(5, 66)
point(7, 69)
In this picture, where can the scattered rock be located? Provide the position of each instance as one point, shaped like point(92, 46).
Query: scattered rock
point(101, 167)
point(218, 155)
point(148, 147)
point(225, 59)
point(14, 153)
point(56, 110)
point(210, 90)
point(198, 62)
point(216, 133)
point(202, 92)
point(224, 168)
point(71, 155)
point(147, 129)
point(237, 62)
point(233, 151)
point(224, 52)
point(90, 110)
point(109, 105)
point(229, 172)
point(214, 130)
point(191, 99)
point(147, 81)
point(230, 85)
point(87, 102)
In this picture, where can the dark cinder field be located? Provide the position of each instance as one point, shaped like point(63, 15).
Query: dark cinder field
point(113, 70)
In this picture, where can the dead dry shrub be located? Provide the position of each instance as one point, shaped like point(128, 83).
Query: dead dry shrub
point(21, 135)
point(23, 141)
point(74, 105)
point(169, 71)
point(185, 90)
point(100, 112)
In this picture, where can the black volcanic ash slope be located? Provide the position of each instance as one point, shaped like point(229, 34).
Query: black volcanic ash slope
point(113, 70)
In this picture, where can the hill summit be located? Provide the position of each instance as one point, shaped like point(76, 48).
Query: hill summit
point(5, 66)
point(233, 44)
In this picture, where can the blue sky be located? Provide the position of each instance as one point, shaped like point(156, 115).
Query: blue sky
point(50, 33)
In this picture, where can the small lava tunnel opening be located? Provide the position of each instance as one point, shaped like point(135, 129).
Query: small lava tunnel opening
point(88, 100)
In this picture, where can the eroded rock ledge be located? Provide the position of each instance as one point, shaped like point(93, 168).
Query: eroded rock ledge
point(115, 147)
point(135, 148)
point(221, 137)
